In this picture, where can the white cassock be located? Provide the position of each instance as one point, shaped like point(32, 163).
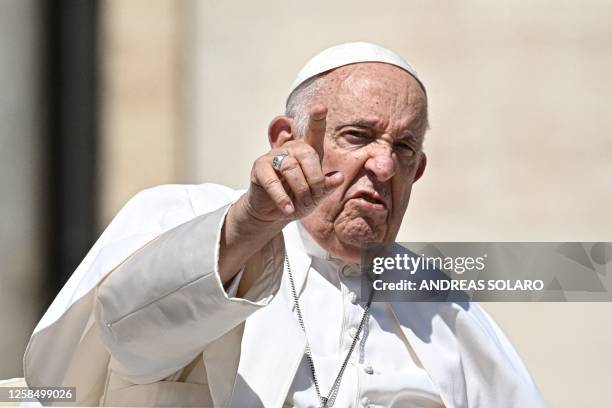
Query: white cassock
point(145, 321)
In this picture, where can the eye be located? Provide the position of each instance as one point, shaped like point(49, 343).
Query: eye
point(356, 136)
point(405, 149)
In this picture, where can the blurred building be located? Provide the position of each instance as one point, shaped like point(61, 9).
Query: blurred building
point(101, 99)
point(22, 196)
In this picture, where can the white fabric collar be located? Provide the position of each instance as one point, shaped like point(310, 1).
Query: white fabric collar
point(299, 238)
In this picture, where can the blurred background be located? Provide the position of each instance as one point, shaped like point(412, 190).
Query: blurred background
point(101, 99)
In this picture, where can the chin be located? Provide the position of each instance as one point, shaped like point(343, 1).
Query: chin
point(358, 232)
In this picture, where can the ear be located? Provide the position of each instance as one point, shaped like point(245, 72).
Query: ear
point(279, 131)
point(421, 168)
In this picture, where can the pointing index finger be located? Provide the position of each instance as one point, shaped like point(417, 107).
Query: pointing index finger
point(315, 130)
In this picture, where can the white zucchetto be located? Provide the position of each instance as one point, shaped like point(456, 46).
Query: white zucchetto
point(350, 53)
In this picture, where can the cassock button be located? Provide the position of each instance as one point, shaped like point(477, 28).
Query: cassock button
point(365, 402)
point(351, 270)
point(367, 368)
point(353, 332)
point(346, 270)
point(352, 297)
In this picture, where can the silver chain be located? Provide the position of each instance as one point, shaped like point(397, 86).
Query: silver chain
point(325, 401)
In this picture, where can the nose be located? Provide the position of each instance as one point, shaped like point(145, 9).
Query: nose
point(380, 162)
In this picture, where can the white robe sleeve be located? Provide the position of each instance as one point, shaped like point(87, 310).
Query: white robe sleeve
point(164, 304)
point(163, 301)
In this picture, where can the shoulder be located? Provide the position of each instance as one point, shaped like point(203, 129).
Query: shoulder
point(180, 199)
point(209, 194)
point(496, 336)
point(467, 334)
point(155, 210)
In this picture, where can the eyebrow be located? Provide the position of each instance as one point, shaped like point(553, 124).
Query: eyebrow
point(409, 136)
point(371, 123)
point(364, 123)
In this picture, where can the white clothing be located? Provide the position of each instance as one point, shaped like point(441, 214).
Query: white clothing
point(145, 321)
point(382, 370)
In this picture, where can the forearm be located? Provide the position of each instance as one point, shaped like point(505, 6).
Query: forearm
point(242, 236)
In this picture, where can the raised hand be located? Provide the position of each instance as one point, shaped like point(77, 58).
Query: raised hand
point(288, 182)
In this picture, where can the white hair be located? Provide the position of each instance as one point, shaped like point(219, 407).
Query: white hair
point(300, 101)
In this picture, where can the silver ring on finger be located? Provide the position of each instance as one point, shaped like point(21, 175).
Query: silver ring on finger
point(277, 161)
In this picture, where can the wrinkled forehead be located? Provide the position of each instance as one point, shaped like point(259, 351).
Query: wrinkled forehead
point(376, 90)
point(385, 77)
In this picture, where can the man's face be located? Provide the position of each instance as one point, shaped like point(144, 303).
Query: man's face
point(375, 125)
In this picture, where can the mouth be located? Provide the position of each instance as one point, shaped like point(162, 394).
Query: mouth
point(372, 198)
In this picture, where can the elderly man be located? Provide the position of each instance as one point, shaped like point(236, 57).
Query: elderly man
point(204, 296)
